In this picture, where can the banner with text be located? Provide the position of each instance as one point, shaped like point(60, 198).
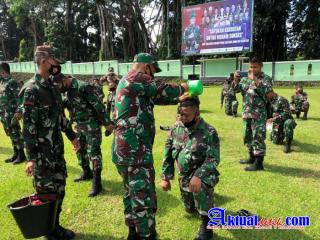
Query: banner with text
point(217, 28)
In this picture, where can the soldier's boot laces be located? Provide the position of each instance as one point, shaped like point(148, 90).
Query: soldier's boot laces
point(96, 184)
point(204, 233)
point(13, 157)
point(305, 116)
point(86, 174)
point(20, 158)
point(133, 235)
point(248, 161)
point(257, 166)
point(287, 146)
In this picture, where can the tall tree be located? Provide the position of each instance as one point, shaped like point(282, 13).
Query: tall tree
point(305, 29)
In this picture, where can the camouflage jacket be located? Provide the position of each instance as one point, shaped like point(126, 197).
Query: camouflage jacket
point(110, 105)
point(227, 93)
point(136, 95)
point(254, 97)
point(85, 104)
point(281, 108)
point(43, 120)
point(99, 91)
point(298, 99)
point(9, 91)
point(196, 151)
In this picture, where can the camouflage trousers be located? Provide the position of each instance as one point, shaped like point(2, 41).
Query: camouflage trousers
point(49, 176)
point(231, 107)
point(12, 129)
point(301, 107)
point(90, 138)
point(140, 201)
point(282, 130)
point(254, 132)
point(201, 201)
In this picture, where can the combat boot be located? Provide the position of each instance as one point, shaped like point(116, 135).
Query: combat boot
point(204, 233)
point(62, 233)
point(257, 166)
point(96, 184)
point(153, 236)
point(298, 114)
point(133, 235)
point(20, 158)
point(287, 146)
point(248, 161)
point(86, 174)
point(13, 157)
point(305, 116)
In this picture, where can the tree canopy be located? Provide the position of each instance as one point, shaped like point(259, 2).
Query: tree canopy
point(91, 30)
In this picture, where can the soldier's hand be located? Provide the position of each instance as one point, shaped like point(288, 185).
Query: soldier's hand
point(183, 97)
point(29, 168)
point(165, 185)
point(18, 116)
point(195, 184)
point(185, 87)
point(76, 145)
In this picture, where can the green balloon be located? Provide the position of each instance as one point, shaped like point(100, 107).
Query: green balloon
point(195, 87)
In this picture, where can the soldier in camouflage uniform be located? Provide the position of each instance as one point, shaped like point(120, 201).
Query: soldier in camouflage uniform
point(88, 113)
point(299, 103)
point(229, 97)
point(44, 120)
point(113, 81)
point(283, 123)
point(98, 87)
point(195, 146)
point(254, 90)
point(192, 36)
point(136, 94)
point(9, 101)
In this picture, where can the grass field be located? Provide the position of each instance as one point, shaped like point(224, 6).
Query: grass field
point(290, 186)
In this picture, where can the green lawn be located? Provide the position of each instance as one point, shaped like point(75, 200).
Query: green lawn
point(289, 186)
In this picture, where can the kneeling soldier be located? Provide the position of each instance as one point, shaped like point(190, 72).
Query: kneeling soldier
point(195, 146)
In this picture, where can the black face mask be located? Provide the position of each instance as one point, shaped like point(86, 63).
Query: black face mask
point(151, 74)
point(191, 123)
point(51, 70)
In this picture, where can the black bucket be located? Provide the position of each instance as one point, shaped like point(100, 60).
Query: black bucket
point(35, 220)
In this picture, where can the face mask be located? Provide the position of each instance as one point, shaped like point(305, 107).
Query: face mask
point(191, 123)
point(150, 72)
point(52, 72)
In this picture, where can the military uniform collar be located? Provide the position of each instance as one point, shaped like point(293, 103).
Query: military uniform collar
point(7, 78)
point(42, 81)
point(74, 83)
point(200, 126)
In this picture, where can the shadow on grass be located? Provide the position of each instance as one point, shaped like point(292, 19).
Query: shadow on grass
point(6, 150)
point(112, 188)
point(305, 147)
point(88, 236)
point(205, 111)
point(220, 199)
point(166, 202)
point(314, 118)
point(293, 172)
